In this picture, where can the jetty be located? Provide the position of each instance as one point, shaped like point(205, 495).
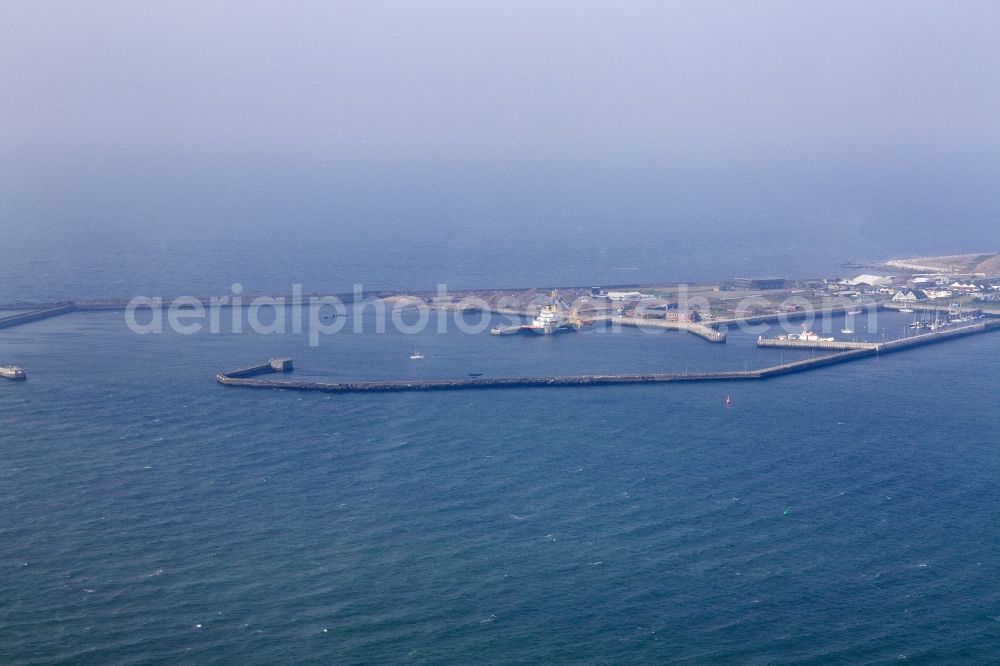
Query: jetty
point(252, 377)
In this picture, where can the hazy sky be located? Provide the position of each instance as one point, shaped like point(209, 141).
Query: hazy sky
point(148, 107)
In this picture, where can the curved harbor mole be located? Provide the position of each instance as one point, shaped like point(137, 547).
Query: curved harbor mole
point(249, 377)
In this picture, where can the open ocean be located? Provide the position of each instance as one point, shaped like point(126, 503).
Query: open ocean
point(149, 515)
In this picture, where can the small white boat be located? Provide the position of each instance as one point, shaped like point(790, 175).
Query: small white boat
point(416, 356)
point(906, 310)
point(507, 330)
point(805, 336)
point(847, 331)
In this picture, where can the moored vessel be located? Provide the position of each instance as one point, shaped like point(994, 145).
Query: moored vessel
point(507, 330)
point(551, 320)
point(805, 336)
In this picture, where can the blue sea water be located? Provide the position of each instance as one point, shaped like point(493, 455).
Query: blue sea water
point(149, 515)
point(45, 261)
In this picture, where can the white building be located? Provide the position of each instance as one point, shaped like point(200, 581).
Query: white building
point(872, 280)
point(627, 296)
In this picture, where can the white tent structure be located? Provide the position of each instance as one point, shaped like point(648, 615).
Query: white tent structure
point(872, 280)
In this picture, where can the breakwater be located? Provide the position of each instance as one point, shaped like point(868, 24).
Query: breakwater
point(250, 377)
point(477, 383)
point(274, 365)
point(35, 315)
point(938, 336)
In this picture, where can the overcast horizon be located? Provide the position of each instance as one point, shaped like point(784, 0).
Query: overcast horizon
point(132, 123)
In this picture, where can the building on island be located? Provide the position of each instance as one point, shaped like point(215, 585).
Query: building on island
point(759, 283)
point(909, 296)
point(872, 280)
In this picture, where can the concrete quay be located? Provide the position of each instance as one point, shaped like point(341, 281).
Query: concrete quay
point(794, 315)
point(701, 330)
point(829, 345)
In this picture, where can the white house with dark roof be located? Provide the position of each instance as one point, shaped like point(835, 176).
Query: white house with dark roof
point(909, 296)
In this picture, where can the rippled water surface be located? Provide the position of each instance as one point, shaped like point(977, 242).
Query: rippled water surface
point(148, 514)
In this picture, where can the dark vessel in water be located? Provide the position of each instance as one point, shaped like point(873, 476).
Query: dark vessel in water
point(12, 372)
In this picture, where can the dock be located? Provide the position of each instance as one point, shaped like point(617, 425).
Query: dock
point(250, 377)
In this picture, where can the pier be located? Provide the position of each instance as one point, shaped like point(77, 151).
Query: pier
point(250, 377)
